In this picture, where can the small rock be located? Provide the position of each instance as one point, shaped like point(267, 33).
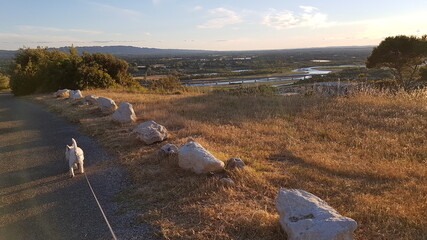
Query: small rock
point(192, 156)
point(75, 94)
point(106, 105)
point(150, 132)
point(168, 150)
point(63, 93)
point(91, 99)
point(227, 182)
point(234, 163)
point(124, 114)
point(305, 216)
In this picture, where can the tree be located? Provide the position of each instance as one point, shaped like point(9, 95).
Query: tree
point(403, 55)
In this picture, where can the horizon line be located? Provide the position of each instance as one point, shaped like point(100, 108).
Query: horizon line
point(183, 49)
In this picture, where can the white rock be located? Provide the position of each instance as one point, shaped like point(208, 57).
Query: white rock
point(75, 94)
point(168, 150)
point(304, 216)
point(124, 114)
point(192, 156)
point(235, 163)
point(150, 132)
point(106, 105)
point(63, 93)
point(227, 182)
point(91, 99)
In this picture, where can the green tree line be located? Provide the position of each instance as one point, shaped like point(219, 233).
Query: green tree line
point(44, 70)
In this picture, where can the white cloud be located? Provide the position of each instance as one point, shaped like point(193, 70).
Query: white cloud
point(308, 9)
point(309, 17)
point(155, 2)
point(221, 18)
point(196, 8)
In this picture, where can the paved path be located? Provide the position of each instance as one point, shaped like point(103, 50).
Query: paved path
point(38, 200)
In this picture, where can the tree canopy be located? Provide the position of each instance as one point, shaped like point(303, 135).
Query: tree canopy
point(44, 70)
point(403, 55)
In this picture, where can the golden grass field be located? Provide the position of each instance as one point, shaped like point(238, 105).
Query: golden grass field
point(366, 155)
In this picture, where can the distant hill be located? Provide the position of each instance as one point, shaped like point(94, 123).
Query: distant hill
point(138, 51)
point(129, 50)
point(6, 54)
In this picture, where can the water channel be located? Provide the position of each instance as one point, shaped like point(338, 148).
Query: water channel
point(300, 73)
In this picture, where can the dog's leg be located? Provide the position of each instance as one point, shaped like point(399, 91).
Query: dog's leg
point(81, 167)
point(71, 171)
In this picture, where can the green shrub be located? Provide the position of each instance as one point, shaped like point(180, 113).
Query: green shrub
point(167, 84)
point(384, 84)
point(44, 70)
point(260, 90)
point(4, 82)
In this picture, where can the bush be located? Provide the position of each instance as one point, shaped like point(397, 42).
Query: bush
point(261, 90)
point(44, 70)
point(169, 83)
point(4, 82)
point(385, 84)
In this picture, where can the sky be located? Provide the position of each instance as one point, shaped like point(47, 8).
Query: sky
point(207, 24)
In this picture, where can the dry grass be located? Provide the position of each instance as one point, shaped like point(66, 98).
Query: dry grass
point(366, 155)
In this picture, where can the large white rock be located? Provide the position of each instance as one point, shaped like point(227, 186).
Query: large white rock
point(91, 99)
point(63, 93)
point(124, 114)
point(75, 94)
point(150, 132)
point(192, 156)
point(304, 216)
point(106, 105)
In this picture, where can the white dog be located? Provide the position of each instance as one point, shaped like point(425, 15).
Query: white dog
point(74, 156)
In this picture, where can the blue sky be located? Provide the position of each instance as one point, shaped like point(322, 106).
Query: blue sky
point(207, 24)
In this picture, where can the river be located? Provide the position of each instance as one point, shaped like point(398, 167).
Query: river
point(301, 73)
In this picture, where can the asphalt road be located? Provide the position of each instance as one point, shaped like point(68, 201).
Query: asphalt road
point(38, 200)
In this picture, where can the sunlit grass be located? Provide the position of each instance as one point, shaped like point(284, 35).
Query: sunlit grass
point(366, 155)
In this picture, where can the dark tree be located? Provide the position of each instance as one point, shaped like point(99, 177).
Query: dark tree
point(403, 55)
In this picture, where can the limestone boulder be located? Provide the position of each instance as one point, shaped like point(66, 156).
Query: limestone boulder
point(124, 114)
point(150, 132)
point(106, 105)
point(91, 99)
point(304, 216)
point(63, 93)
point(75, 94)
point(168, 150)
point(234, 163)
point(192, 156)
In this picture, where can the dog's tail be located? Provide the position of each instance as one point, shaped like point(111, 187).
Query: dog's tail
point(74, 143)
